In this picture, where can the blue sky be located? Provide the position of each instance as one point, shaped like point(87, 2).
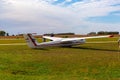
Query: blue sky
point(111, 18)
point(56, 16)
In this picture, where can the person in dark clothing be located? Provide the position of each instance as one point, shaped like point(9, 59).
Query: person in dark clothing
point(52, 35)
point(119, 42)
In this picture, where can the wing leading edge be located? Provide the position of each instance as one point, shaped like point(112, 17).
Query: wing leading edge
point(71, 39)
point(52, 38)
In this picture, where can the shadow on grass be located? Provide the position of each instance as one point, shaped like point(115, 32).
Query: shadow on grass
point(44, 49)
point(99, 49)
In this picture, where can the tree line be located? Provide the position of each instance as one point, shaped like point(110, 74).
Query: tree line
point(104, 33)
point(60, 34)
point(3, 33)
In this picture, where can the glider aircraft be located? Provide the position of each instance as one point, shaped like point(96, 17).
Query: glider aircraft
point(56, 41)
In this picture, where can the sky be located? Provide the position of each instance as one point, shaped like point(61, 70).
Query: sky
point(59, 16)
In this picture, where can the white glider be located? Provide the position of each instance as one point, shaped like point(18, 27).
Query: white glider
point(65, 42)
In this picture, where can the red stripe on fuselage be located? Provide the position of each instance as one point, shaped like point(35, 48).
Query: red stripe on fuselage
point(29, 35)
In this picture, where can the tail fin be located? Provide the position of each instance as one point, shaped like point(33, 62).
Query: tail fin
point(31, 41)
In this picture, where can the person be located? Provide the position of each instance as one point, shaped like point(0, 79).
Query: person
point(119, 42)
point(43, 40)
point(52, 35)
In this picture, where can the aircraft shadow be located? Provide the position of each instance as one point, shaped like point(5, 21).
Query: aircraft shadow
point(42, 49)
point(86, 48)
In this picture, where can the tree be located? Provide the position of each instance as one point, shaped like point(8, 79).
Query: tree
point(108, 33)
point(2, 33)
point(92, 33)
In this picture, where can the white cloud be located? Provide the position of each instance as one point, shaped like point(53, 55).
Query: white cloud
point(42, 16)
point(94, 8)
point(68, 0)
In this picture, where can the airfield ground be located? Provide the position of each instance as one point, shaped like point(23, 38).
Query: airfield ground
point(91, 61)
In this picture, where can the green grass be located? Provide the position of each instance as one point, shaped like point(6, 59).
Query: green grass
point(12, 41)
point(84, 62)
point(7, 41)
point(103, 39)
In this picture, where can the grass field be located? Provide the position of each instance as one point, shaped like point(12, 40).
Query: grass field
point(97, 61)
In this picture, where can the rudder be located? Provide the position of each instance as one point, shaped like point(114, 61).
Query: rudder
point(31, 41)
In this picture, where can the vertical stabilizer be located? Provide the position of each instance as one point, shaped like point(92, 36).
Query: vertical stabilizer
point(31, 41)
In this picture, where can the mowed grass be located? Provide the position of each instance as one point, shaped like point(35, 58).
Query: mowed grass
point(12, 41)
point(85, 62)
